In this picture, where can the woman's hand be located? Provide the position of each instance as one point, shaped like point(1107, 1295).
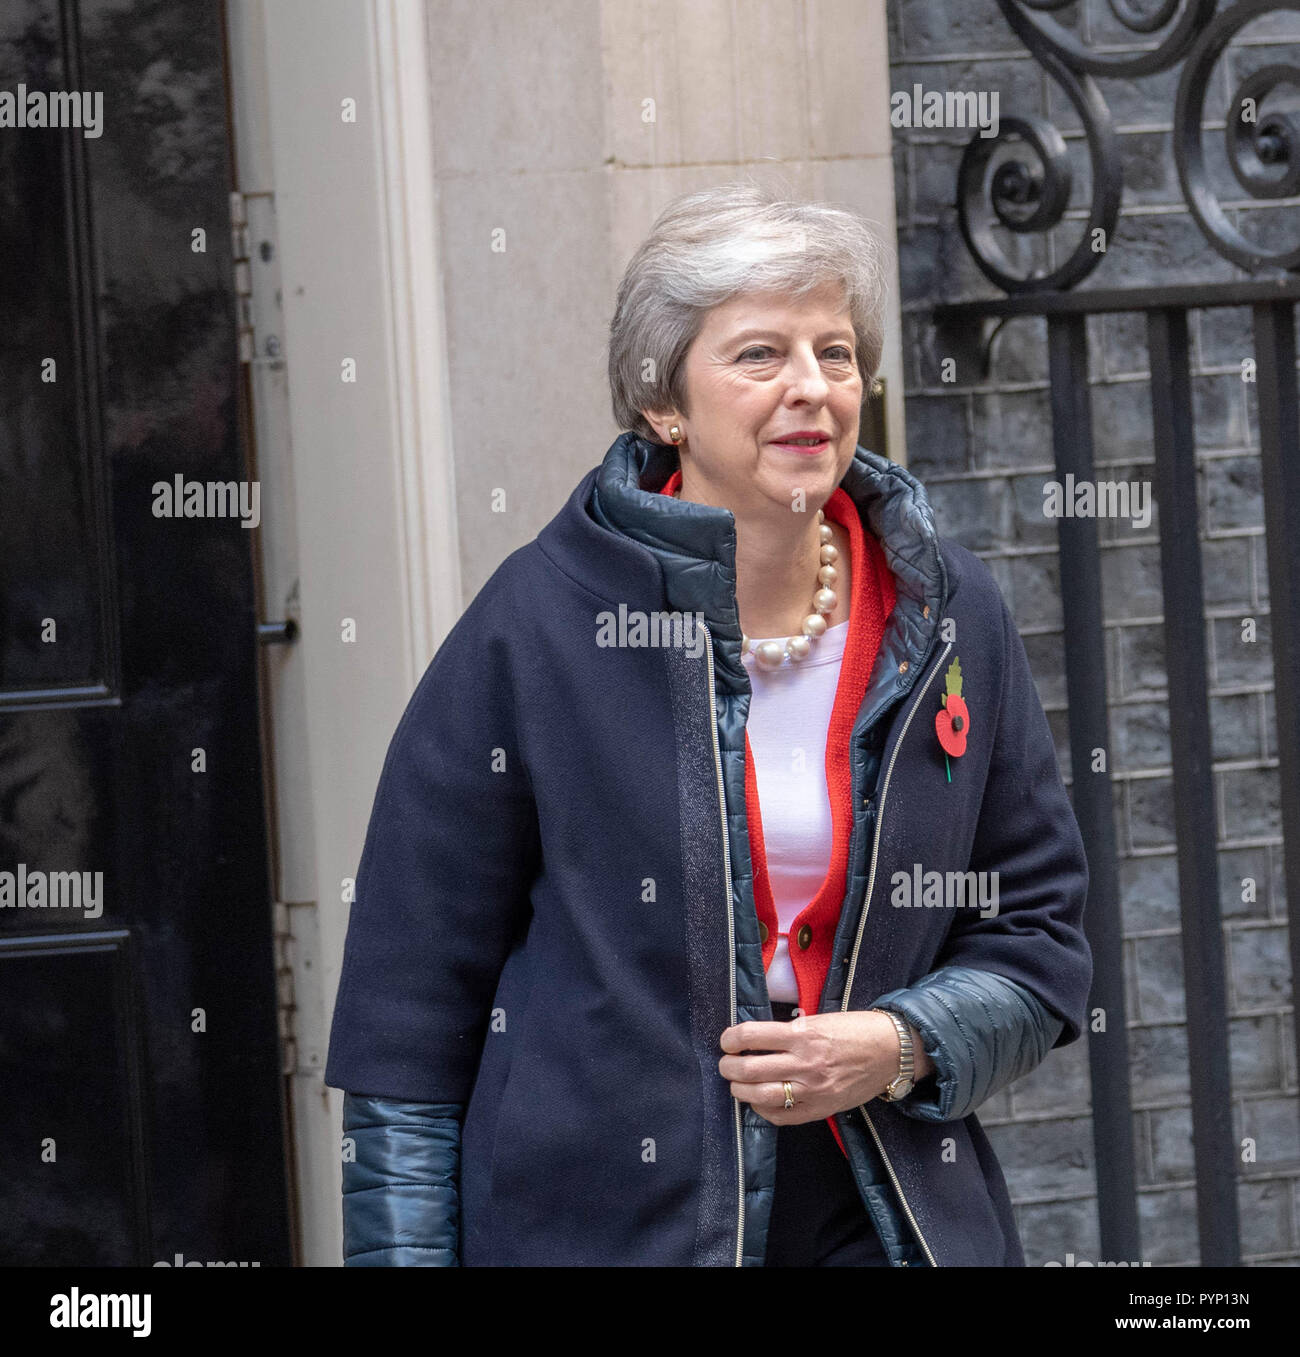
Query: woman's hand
point(832, 1061)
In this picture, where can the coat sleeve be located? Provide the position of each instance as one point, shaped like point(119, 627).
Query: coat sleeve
point(1012, 985)
point(401, 1185)
point(982, 1031)
point(442, 894)
point(443, 886)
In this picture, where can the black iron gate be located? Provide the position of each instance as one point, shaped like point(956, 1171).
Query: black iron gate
point(1013, 194)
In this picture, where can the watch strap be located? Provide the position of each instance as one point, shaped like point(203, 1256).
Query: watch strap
point(904, 1082)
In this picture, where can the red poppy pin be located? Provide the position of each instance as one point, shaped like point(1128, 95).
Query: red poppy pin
point(953, 722)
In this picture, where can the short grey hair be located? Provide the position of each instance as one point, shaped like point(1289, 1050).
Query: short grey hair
point(708, 247)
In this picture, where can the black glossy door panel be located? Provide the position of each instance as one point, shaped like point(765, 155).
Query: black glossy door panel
point(139, 1062)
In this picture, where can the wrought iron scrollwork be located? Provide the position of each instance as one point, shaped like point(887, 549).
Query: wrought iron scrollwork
point(1031, 20)
point(1019, 181)
point(1031, 195)
point(1262, 148)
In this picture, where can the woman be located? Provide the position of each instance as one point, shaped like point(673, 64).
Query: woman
point(661, 952)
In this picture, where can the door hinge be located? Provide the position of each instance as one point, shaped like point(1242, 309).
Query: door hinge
point(256, 257)
point(296, 938)
point(284, 988)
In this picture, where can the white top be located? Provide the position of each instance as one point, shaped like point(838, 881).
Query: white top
point(789, 717)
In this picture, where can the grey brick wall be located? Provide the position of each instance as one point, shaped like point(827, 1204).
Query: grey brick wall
point(983, 449)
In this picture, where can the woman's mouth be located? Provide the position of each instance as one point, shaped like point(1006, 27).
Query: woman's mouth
point(808, 444)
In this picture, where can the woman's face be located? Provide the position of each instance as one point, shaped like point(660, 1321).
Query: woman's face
point(765, 366)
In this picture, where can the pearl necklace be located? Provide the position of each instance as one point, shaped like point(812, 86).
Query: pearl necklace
point(774, 653)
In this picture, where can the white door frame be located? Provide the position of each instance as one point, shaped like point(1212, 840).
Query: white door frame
point(358, 502)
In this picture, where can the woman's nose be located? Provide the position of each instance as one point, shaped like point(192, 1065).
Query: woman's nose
point(806, 380)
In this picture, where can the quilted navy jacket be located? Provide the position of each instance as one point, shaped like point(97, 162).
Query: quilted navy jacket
point(555, 915)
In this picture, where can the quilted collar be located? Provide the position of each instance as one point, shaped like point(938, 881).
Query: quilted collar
point(695, 545)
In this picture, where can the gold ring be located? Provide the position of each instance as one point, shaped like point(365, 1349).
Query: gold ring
point(789, 1093)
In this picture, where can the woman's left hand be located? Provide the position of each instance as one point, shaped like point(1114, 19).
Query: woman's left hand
point(832, 1061)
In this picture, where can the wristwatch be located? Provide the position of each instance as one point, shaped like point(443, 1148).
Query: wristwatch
point(901, 1086)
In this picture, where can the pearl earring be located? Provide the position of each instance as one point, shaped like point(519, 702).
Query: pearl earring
point(675, 433)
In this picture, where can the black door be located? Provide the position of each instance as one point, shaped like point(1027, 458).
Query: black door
point(140, 1085)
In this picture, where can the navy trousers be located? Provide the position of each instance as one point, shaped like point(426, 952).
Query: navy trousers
point(818, 1216)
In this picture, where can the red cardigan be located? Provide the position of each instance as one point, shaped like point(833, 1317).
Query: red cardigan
point(872, 601)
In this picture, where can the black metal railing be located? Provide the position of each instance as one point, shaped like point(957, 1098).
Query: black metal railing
point(1018, 184)
point(1173, 441)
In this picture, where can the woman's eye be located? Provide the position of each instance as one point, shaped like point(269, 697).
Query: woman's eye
point(841, 353)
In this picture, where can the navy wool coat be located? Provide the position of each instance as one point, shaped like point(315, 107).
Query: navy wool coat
point(555, 915)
